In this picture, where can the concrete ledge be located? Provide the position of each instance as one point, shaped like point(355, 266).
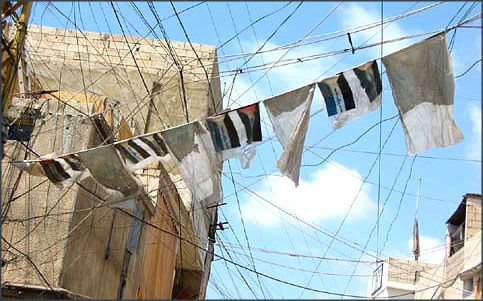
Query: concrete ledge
point(25, 291)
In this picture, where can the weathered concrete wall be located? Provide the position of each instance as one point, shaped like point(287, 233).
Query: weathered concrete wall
point(106, 67)
point(401, 278)
point(103, 64)
point(428, 284)
point(447, 280)
point(462, 261)
point(147, 91)
point(473, 216)
point(99, 237)
point(404, 271)
point(37, 221)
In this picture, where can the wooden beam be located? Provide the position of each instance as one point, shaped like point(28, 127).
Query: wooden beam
point(8, 8)
point(124, 130)
point(16, 50)
point(77, 96)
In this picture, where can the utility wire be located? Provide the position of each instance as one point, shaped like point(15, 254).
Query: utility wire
point(215, 106)
point(245, 230)
point(251, 24)
point(214, 254)
point(352, 204)
point(339, 33)
point(467, 70)
point(400, 202)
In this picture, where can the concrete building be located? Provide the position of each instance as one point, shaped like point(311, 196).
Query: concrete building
point(457, 277)
point(397, 278)
point(62, 242)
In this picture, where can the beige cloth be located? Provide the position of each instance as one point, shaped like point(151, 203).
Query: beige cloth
point(422, 83)
point(62, 172)
point(290, 114)
point(193, 149)
point(107, 168)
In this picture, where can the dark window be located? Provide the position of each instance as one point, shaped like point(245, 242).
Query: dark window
point(468, 287)
point(457, 236)
point(135, 229)
point(21, 128)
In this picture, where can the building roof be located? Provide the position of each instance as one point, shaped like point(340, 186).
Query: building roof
point(459, 215)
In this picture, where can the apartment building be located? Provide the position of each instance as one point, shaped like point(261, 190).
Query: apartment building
point(458, 276)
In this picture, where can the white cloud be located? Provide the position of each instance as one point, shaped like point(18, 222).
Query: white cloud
point(432, 249)
point(328, 194)
point(474, 149)
point(355, 14)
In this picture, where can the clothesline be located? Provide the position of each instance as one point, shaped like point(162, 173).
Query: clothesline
point(177, 126)
point(422, 84)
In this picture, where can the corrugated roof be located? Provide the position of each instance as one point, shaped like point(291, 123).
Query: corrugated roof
point(459, 215)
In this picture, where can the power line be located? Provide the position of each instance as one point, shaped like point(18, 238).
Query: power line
point(378, 217)
point(352, 204)
point(399, 155)
point(214, 254)
point(215, 106)
point(400, 202)
point(337, 34)
point(467, 70)
point(261, 47)
point(295, 255)
point(253, 23)
point(322, 20)
point(380, 138)
point(244, 230)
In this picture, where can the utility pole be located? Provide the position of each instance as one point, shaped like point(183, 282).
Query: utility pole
point(416, 246)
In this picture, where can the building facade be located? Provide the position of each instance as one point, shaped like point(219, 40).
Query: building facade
point(103, 87)
point(458, 276)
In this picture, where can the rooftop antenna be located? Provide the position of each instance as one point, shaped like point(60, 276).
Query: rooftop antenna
point(416, 247)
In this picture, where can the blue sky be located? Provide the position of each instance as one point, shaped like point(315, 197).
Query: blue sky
point(326, 190)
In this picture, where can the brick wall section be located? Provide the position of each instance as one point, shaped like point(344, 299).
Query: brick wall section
point(455, 263)
point(73, 60)
point(473, 216)
point(42, 239)
point(103, 50)
point(403, 271)
point(102, 64)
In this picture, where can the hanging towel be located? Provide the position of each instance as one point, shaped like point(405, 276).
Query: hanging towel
point(289, 114)
point(106, 167)
point(62, 172)
point(422, 85)
point(193, 150)
point(352, 93)
point(142, 151)
point(236, 132)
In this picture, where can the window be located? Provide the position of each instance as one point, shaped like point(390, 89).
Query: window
point(457, 235)
point(134, 234)
point(377, 278)
point(468, 287)
point(21, 128)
